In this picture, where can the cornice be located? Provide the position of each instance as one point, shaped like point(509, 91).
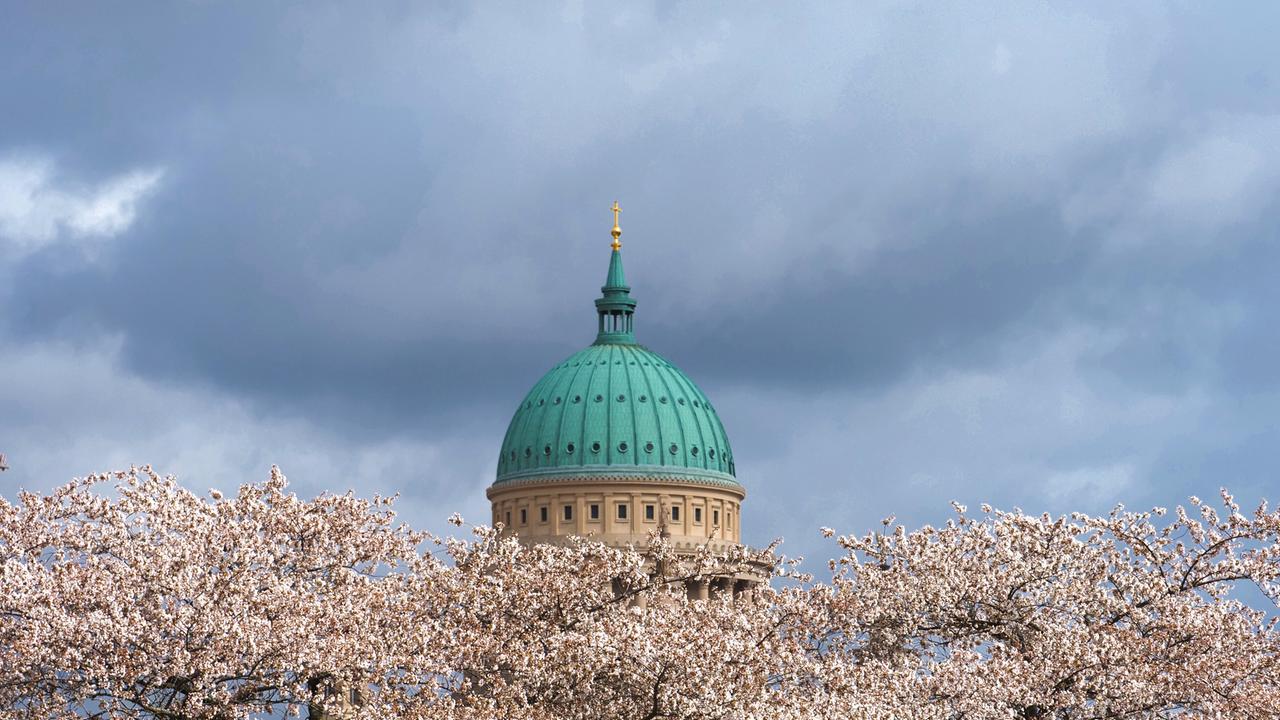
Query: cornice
point(616, 475)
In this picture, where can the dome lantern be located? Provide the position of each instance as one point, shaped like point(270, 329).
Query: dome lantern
point(615, 308)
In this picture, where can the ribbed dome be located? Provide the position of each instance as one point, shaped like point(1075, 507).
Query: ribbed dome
point(616, 409)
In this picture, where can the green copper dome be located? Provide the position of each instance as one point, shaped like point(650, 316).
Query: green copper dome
point(616, 409)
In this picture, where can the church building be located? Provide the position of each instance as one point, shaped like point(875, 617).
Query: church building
point(615, 442)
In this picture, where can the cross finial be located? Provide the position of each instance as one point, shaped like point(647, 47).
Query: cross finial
point(617, 231)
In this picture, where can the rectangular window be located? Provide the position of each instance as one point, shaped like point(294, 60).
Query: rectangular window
point(648, 512)
point(622, 512)
point(568, 512)
point(542, 513)
point(508, 518)
point(524, 516)
point(728, 519)
point(715, 517)
point(595, 512)
point(697, 516)
point(675, 513)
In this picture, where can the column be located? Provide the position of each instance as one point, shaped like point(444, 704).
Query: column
point(701, 589)
point(633, 515)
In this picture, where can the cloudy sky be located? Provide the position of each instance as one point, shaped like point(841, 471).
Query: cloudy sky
point(913, 253)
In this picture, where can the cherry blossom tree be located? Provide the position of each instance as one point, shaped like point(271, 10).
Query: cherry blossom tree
point(159, 604)
point(1081, 617)
point(146, 600)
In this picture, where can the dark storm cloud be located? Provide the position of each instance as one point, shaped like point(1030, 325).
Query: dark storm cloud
point(1028, 252)
point(937, 305)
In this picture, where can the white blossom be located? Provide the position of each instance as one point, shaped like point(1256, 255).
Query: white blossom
point(151, 602)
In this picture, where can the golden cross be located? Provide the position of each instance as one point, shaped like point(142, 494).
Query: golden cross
point(617, 231)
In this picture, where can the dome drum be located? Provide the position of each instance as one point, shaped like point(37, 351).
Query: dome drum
point(619, 510)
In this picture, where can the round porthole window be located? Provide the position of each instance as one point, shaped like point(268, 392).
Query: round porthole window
point(595, 447)
point(663, 399)
point(547, 451)
point(621, 398)
point(577, 399)
point(528, 452)
point(644, 398)
point(648, 447)
point(622, 447)
point(695, 404)
point(711, 453)
point(599, 398)
point(557, 400)
point(681, 401)
point(694, 450)
point(674, 448)
point(528, 405)
point(513, 456)
point(569, 448)
point(617, 362)
point(539, 403)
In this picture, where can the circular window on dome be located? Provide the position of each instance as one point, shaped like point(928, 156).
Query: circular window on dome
point(599, 398)
point(644, 398)
point(539, 403)
point(595, 447)
point(695, 404)
point(557, 400)
point(569, 448)
point(528, 452)
point(617, 362)
point(575, 364)
point(711, 453)
point(621, 398)
point(528, 405)
point(546, 450)
point(681, 401)
point(633, 362)
point(577, 399)
point(694, 450)
point(513, 456)
point(674, 448)
point(648, 447)
point(663, 399)
point(646, 364)
point(622, 447)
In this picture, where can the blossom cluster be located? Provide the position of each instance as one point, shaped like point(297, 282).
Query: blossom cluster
point(127, 595)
